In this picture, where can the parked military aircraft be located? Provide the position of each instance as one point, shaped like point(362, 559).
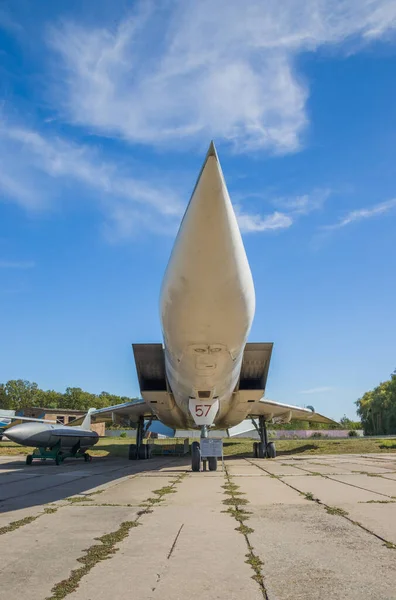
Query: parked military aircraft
point(53, 440)
point(206, 374)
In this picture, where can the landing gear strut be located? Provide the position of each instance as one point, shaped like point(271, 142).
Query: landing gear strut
point(196, 454)
point(139, 450)
point(263, 448)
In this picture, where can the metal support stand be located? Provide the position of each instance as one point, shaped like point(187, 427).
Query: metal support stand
point(55, 453)
point(204, 435)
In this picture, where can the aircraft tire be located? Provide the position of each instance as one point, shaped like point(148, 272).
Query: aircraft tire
point(132, 452)
point(271, 451)
point(58, 459)
point(261, 450)
point(143, 451)
point(255, 449)
point(87, 457)
point(195, 457)
point(212, 460)
point(29, 459)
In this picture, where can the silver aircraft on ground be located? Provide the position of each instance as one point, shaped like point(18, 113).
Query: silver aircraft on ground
point(51, 439)
point(205, 374)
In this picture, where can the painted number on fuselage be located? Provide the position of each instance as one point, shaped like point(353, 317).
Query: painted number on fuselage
point(203, 414)
point(202, 410)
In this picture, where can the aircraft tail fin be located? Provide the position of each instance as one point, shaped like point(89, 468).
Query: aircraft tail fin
point(86, 424)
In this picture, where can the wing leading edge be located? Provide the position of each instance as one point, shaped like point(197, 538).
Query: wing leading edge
point(284, 413)
point(128, 411)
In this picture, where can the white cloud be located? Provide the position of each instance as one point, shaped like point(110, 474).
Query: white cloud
point(250, 223)
point(197, 70)
point(304, 204)
point(364, 213)
point(12, 264)
point(318, 390)
point(48, 167)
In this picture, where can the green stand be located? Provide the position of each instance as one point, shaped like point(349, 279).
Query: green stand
point(56, 454)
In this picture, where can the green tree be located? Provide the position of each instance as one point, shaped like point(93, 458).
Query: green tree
point(377, 408)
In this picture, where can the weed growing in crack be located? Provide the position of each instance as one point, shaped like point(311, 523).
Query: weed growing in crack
point(309, 496)
point(17, 524)
point(334, 510)
point(240, 515)
point(94, 554)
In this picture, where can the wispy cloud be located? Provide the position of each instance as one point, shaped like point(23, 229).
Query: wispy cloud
point(304, 204)
point(250, 223)
point(51, 167)
point(171, 73)
point(128, 202)
point(318, 390)
point(12, 264)
point(363, 213)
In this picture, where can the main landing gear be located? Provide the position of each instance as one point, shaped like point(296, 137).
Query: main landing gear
point(263, 448)
point(140, 451)
point(196, 455)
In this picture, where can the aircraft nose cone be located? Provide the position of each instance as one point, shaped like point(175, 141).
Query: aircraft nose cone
point(207, 292)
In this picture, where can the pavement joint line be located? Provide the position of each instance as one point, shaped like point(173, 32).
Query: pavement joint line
point(96, 553)
point(332, 509)
point(240, 515)
point(14, 525)
point(329, 476)
point(175, 541)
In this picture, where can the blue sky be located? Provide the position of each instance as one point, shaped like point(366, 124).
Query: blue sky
point(106, 112)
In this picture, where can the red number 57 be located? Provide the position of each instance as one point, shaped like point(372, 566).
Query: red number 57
point(200, 409)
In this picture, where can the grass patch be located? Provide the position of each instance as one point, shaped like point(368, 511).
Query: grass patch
point(17, 524)
point(378, 502)
point(390, 545)
point(118, 447)
point(77, 499)
point(256, 563)
point(235, 501)
point(167, 489)
point(238, 513)
point(50, 511)
point(94, 554)
point(244, 529)
point(334, 510)
point(309, 496)
point(241, 515)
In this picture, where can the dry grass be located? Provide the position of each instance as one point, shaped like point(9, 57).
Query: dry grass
point(239, 447)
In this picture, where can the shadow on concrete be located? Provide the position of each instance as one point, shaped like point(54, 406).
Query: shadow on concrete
point(249, 454)
point(23, 486)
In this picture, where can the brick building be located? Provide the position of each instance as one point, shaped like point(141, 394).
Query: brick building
point(62, 416)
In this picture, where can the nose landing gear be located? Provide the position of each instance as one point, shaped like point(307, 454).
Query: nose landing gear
point(196, 458)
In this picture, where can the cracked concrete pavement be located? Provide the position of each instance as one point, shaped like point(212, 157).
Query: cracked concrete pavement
point(186, 544)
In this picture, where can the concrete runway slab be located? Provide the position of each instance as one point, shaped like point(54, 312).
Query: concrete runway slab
point(188, 545)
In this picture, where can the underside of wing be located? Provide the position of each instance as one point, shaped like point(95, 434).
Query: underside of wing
point(120, 414)
point(284, 413)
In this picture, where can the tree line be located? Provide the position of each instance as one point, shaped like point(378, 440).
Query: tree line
point(377, 408)
point(18, 394)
